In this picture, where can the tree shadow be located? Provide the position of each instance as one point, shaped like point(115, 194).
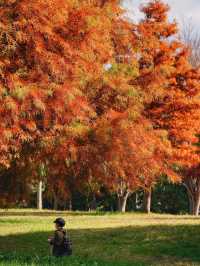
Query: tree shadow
point(143, 245)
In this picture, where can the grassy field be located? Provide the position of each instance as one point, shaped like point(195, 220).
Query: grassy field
point(109, 239)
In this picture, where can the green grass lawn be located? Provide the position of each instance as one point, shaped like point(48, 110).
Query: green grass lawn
point(109, 239)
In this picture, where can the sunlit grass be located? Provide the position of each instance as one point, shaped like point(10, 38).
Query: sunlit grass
point(109, 239)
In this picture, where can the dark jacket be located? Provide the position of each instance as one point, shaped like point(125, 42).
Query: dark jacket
point(58, 243)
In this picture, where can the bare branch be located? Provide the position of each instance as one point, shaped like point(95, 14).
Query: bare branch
point(190, 35)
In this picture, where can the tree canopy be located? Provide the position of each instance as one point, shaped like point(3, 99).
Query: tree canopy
point(93, 98)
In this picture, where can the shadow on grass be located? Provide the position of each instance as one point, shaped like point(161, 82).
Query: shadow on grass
point(134, 245)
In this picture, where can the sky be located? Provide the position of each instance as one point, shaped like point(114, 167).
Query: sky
point(187, 10)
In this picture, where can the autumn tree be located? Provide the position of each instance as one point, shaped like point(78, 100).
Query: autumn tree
point(45, 65)
point(174, 85)
point(80, 88)
point(125, 155)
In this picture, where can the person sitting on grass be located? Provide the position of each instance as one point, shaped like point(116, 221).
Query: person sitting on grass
point(60, 241)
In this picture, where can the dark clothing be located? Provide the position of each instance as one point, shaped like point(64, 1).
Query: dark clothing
point(57, 241)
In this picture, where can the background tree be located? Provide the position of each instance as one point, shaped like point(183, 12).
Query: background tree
point(176, 109)
point(190, 35)
point(45, 66)
point(169, 198)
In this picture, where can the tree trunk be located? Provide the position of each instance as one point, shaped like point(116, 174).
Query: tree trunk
point(39, 196)
point(197, 205)
point(122, 200)
point(65, 205)
point(137, 201)
point(70, 204)
point(193, 190)
point(133, 207)
point(194, 204)
point(147, 201)
point(191, 204)
point(55, 202)
point(93, 204)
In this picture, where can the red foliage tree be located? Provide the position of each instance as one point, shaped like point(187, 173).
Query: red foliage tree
point(52, 75)
point(174, 105)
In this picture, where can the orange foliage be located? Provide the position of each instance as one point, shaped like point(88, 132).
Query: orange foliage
point(125, 124)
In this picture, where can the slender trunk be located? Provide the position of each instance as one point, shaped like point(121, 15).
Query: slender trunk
point(193, 191)
point(87, 203)
point(65, 205)
point(138, 201)
point(122, 201)
point(134, 201)
point(191, 206)
point(197, 205)
point(137, 205)
point(55, 202)
point(194, 204)
point(70, 204)
point(147, 201)
point(39, 196)
point(191, 203)
point(93, 205)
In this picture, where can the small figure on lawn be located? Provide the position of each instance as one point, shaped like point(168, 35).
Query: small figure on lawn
point(60, 241)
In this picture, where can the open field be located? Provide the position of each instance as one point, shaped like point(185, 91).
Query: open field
point(109, 239)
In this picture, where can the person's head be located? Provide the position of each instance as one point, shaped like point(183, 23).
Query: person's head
point(59, 223)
